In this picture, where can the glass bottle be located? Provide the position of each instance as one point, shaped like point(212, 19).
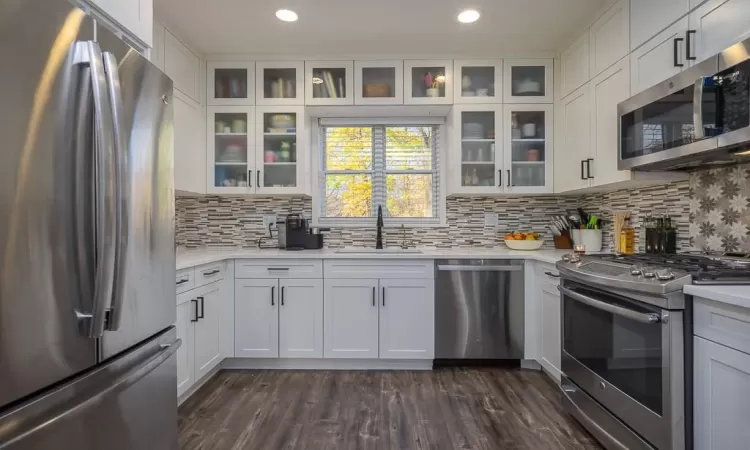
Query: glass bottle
point(627, 239)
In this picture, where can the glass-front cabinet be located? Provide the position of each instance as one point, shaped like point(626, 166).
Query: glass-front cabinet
point(477, 141)
point(231, 149)
point(527, 81)
point(379, 82)
point(478, 81)
point(279, 83)
point(280, 144)
point(428, 82)
point(329, 82)
point(230, 83)
point(528, 148)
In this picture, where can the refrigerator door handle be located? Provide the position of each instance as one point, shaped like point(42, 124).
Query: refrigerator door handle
point(122, 200)
point(89, 54)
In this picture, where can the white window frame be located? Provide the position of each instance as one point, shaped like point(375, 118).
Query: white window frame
point(319, 188)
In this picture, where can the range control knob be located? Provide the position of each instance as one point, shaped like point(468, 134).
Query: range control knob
point(664, 275)
point(575, 258)
point(636, 271)
point(649, 272)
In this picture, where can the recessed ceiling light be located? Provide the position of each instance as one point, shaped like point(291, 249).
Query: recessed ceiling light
point(288, 15)
point(468, 16)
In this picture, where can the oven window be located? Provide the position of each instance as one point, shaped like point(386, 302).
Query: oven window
point(625, 352)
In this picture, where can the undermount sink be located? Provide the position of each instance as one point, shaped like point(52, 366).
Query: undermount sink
point(384, 251)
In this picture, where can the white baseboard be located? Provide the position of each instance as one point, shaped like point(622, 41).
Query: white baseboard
point(198, 385)
point(530, 364)
point(327, 364)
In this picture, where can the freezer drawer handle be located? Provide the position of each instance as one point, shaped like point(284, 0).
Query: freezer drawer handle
point(614, 309)
point(213, 272)
point(458, 268)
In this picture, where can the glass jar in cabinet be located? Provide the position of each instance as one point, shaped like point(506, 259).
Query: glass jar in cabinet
point(279, 83)
point(231, 150)
point(478, 81)
point(478, 149)
point(280, 157)
point(329, 82)
point(230, 83)
point(527, 81)
point(379, 82)
point(428, 82)
point(528, 148)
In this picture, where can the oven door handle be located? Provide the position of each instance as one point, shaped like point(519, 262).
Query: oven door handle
point(614, 309)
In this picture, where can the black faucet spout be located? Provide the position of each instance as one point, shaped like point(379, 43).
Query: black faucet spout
point(379, 238)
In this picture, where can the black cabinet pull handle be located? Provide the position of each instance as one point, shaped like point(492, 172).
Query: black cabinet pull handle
point(508, 181)
point(373, 295)
point(196, 311)
point(583, 169)
point(588, 167)
point(203, 308)
point(676, 49)
point(249, 178)
point(282, 295)
point(183, 281)
point(213, 272)
point(500, 178)
point(552, 274)
point(272, 289)
point(688, 44)
point(383, 295)
point(257, 179)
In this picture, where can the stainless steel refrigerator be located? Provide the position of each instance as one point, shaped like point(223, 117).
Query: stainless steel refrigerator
point(87, 297)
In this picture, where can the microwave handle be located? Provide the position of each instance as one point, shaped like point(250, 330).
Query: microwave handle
point(610, 308)
point(698, 109)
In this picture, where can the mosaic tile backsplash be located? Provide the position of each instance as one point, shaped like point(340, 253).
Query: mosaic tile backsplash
point(711, 212)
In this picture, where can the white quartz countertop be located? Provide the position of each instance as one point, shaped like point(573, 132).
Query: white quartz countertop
point(194, 257)
point(734, 295)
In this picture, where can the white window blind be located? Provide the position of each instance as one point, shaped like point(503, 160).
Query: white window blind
point(365, 166)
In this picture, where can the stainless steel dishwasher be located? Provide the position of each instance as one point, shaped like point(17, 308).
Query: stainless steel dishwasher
point(479, 309)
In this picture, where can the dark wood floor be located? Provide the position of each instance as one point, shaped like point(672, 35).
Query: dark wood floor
point(442, 409)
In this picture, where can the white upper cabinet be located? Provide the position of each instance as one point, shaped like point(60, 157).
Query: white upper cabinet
point(379, 82)
point(301, 318)
point(279, 83)
point(182, 66)
point(329, 82)
point(610, 36)
point(281, 159)
point(428, 82)
point(527, 148)
point(527, 81)
point(230, 150)
point(230, 83)
point(574, 66)
point(649, 17)
point(573, 150)
point(478, 81)
point(256, 318)
point(607, 90)
point(351, 318)
point(718, 24)
point(477, 148)
point(189, 145)
point(660, 58)
point(135, 16)
point(407, 318)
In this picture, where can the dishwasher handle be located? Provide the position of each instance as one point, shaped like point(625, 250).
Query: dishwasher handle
point(462, 268)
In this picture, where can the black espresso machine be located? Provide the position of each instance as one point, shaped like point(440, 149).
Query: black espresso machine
point(295, 234)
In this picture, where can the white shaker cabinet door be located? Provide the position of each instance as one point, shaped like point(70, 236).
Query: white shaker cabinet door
point(256, 318)
point(301, 318)
point(721, 396)
point(207, 328)
point(189, 145)
point(649, 17)
point(550, 309)
point(660, 58)
point(407, 318)
point(718, 24)
point(573, 151)
point(351, 318)
point(186, 314)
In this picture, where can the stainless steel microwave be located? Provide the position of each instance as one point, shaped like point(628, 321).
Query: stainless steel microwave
point(698, 118)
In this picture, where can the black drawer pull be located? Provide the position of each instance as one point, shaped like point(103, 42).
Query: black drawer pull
point(552, 274)
point(183, 281)
point(213, 272)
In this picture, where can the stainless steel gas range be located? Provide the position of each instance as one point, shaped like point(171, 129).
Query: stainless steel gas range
point(626, 343)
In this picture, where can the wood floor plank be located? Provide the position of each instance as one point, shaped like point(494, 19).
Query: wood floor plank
point(452, 408)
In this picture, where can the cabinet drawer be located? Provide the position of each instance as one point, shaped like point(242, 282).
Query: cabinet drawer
point(363, 268)
point(719, 322)
point(185, 280)
point(208, 273)
point(278, 268)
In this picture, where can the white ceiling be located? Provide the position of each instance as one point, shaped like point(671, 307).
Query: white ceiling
point(426, 27)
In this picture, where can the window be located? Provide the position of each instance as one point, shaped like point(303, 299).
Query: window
point(366, 166)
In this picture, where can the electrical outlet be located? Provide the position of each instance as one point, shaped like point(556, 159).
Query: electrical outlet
point(490, 220)
point(268, 220)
